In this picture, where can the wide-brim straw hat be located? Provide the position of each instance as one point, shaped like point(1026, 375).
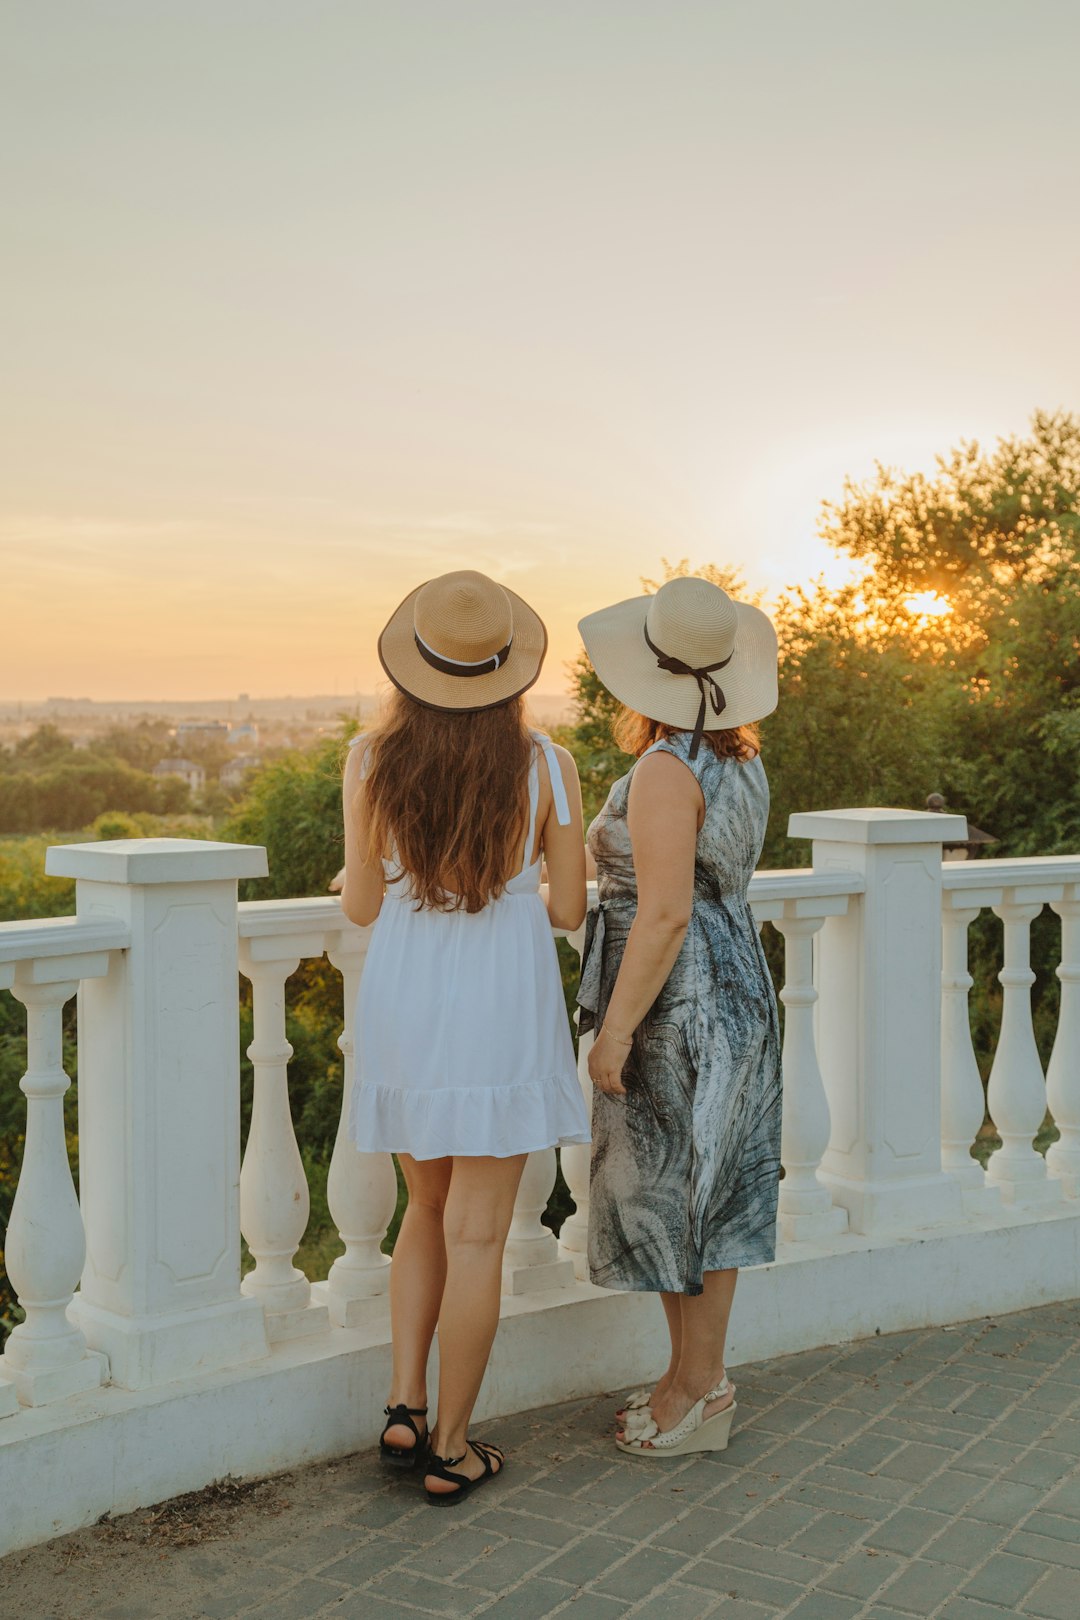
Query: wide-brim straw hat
point(690, 656)
point(461, 642)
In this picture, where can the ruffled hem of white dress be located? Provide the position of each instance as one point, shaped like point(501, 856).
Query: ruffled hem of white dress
point(468, 1121)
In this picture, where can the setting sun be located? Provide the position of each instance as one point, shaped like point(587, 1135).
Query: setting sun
point(928, 605)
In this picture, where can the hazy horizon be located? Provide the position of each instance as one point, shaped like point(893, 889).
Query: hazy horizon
point(306, 304)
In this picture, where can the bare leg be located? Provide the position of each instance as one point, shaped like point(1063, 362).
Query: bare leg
point(479, 1207)
point(701, 1354)
point(671, 1304)
point(416, 1285)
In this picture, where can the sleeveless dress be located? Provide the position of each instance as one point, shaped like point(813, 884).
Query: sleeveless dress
point(685, 1168)
point(462, 1040)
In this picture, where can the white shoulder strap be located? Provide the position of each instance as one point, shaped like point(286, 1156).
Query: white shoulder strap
point(558, 786)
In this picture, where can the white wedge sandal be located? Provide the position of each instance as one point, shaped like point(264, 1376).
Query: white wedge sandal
point(695, 1433)
point(639, 1400)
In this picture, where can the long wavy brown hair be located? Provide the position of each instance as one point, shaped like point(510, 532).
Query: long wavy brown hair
point(447, 794)
point(635, 732)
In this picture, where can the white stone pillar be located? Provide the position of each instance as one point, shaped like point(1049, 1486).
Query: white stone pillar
point(962, 1100)
point(1063, 1075)
point(46, 1357)
point(806, 1211)
point(1016, 1093)
point(576, 1160)
point(879, 1017)
point(274, 1199)
point(361, 1188)
point(159, 1110)
point(531, 1260)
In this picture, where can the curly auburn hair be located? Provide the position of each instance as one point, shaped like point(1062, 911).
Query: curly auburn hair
point(447, 794)
point(634, 733)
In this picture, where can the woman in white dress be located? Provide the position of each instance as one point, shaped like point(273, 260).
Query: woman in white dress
point(464, 1061)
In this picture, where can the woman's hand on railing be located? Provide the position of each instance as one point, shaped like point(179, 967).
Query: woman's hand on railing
point(337, 883)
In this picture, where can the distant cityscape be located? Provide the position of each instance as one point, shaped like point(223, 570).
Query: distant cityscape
point(253, 727)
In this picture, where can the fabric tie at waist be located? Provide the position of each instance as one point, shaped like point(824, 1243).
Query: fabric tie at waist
point(592, 954)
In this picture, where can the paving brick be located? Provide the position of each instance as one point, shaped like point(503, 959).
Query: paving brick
point(907, 1531)
point(300, 1602)
point(1029, 1544)
point(503, 1565)
point(791, 1457)
point(585, 1560)
point(777, 1522)
point(1054, 1525)
point(1005, 1502)
point(824, 1606)
point(677, 1603)
point(912, 1462)
point(533, 1601)
point(862, 1572)
point(964, 1542)
point(950, 1491)
point(834, 1425)
point(367, 1561)
point(230, 1597)
point(1005, 1578)
point(755, 1586)
point(966, 1608)
point(642, 1572)
point(922, 1586)
point(1065, 1437)
point(838, 1478)
point(734, 1553)
point(832, 1535)
point(436, 1597)
point(647, 1516)
point(1065, 1498)
point(696, 1532)
point(525, 1527)
point(1055, 1596)
point(868, 1453)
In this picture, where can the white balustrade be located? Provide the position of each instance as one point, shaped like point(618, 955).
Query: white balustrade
point(962, 1099)
point(1016, 1094)
point(879, 1016)
point(274, 1199)
point(46, 1356)
point(159, 1107)
point(361, 1188)
point(576, 1159)
point(806, 1210)
point(1063, 1073)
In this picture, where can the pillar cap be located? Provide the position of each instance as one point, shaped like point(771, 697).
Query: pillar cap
point(156, 860)
point(875, 826)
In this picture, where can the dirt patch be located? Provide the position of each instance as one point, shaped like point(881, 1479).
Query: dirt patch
point(198, 1516)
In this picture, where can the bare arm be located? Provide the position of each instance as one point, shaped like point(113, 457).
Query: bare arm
point(564, 852)
point(364, 886)
point(664, 813)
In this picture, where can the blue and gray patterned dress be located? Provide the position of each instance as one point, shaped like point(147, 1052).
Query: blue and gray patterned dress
point(685, 1168)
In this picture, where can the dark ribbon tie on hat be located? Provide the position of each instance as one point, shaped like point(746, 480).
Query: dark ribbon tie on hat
point(710, 689)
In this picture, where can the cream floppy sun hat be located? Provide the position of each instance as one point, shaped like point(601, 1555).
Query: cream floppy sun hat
point(464, 643)
point(689, 656)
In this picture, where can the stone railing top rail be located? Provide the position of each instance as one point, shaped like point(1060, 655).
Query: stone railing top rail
point(260, 918)
point(1047, 877)
point(42, 937)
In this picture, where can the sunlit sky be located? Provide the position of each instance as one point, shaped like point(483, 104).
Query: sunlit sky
point(306, 302)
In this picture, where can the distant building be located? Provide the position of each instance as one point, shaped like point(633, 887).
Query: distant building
point(245, 736)
point(233, 774)
point(209, 729)
point(187, 769)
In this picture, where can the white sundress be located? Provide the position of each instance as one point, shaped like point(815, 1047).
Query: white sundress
point(462, 1039)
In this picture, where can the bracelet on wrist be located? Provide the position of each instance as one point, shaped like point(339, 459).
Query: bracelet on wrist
point(619, 1039)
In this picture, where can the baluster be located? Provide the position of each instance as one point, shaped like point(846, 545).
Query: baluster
point(46, 1356)
point(1063, 1074)
point(1017, 1091)
point(362, 1187)
point(575, 1160)
point(962, 1100)
point(806, 1211)
point(274, 1198)
point(531, 1260)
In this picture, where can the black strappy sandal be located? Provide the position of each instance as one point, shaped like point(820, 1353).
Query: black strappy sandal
point(441, 1468)
point(403, 1456)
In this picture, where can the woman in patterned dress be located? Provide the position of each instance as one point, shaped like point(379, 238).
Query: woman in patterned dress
point(686, 1060)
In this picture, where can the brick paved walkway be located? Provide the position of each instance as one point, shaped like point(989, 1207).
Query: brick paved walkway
point(924, 1474)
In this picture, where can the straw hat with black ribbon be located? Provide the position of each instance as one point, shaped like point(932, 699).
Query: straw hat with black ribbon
point(463, 643)
point(690, 657)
